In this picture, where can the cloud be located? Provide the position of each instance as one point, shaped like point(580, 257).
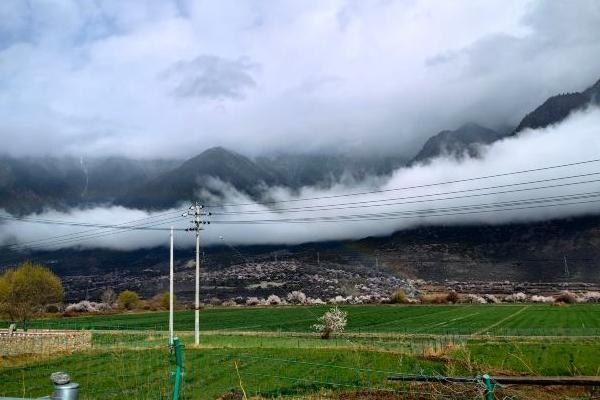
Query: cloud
point(212, 77)
point(335, 75)
point(503, 199)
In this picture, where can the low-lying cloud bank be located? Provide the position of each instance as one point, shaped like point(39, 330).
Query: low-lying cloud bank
point(575, 139)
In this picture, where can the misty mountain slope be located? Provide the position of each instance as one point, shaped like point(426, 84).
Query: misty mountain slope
point(112, 177)
point(558, 107)
point(518, 252)
point(324, 170)
point(30, 184)
point(524, 252)
point(457, 143)
point(185, 182)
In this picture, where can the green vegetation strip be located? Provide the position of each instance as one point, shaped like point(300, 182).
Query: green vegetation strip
point(534, 320)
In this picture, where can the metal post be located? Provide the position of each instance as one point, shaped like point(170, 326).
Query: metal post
point(197, 308)
point(171, 293)
point(176, 346)
point(488, 393)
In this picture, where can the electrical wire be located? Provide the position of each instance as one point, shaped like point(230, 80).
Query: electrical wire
point(366, 204)
point(472, 209)
point(414, 186)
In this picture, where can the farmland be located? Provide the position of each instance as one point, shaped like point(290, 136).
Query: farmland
point(509, 319)
point(270, 352)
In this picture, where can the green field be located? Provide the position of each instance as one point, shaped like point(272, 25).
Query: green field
point(517, 319)
point(271, 353)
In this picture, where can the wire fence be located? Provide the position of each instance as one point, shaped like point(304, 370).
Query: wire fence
point(139, 365)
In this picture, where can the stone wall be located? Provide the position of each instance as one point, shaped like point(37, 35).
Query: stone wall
point(43, 341)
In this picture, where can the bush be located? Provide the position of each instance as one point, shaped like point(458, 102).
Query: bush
point(491, 299)
point(26, 290)
point(85, 306)
point(165, 300)
point(434, 298)
point(252, 301)
point(296, 297)
point(590, 297)
point(519, 297)
point(399, 297)
point(128, 300)
point(333, 321)
point(273, 300)
point(317, 301)
point(452, 297)
point(229, 303)
point(542, 299)
point(566, 298)
point(475, 299)
point(52, 308)
point(215, 301)
point(338, 300)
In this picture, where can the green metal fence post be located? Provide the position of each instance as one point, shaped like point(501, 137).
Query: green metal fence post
point(176, 346)
point(488, 393)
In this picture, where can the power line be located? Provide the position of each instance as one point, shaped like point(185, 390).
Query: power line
point(412, 187)
point(366, 203)
point(472, 209)
point(79, 224)
point(66, 236)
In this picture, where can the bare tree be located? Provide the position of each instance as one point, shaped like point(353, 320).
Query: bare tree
point(109, 297)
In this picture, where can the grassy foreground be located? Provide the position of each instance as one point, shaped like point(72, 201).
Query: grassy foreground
point(270, 353)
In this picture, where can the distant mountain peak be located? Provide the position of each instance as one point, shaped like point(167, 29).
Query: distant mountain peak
point(559, 107)
point(458, 142)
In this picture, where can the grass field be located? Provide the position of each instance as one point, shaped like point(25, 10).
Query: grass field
point(517, 319)
point(270, 353)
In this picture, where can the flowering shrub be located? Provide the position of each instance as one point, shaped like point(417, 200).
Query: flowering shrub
point(542, 299)
point(296, 297)
point(333, 321)
point(87, 306)
point(516, 298)
point(491, 299)
point(590, 297)
point(474, 299)
point(252, 301)
point(273, 300)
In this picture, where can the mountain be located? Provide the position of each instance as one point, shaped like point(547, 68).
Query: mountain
point(30, 184)
point(457, 143)
point(185, 182)
point(558, 107)
point(324, 170)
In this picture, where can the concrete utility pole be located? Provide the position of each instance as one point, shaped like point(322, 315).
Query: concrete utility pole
point(566, 266)
point(197, 226)
point(171, 294)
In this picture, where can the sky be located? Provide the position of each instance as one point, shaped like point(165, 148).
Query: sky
point(162, 78)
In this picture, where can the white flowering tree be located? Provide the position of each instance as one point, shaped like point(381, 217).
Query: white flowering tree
point(333, 321)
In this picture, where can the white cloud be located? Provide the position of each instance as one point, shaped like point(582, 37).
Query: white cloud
point(575, 139)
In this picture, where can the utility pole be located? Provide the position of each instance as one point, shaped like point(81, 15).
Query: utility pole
point(566, 266)
point(318, 258)
point(171, 294)
point(197, 225)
